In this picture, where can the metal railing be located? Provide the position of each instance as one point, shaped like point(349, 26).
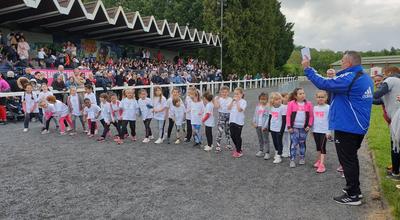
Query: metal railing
point(202, 86)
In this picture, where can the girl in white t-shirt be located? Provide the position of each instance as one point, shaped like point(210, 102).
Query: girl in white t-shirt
point(89, 94)
point(178, 115)
point(48, 114)
point(276, 124)
point(221, 103)
point(29, 105)
point(146, 112)
point(196, 112)
point(106, 115)
point(75, 105)
point(286, 135)
point(91, 112)
point(61, 113)
point(159, 110)
point(321, 129)
point(175, 94)
point(188, 104)
point(260, 123)
point(116, 114)
point(236, 120)
point(208, 119)
point(43, 94)
point(130, 109)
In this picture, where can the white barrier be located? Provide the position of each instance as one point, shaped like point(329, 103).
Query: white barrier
point(211, 86)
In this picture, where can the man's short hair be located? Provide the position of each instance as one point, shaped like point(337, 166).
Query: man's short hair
point(354, 56)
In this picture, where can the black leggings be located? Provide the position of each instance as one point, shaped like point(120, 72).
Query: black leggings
point(320, 142)
point(48, 122)
point(171, 124)
point(188, 129)
point(395, 160)
point(124, 129)
point(147, 127)
point(277, 139)
point(236, 134)
point(92, 126)
point(209, 135)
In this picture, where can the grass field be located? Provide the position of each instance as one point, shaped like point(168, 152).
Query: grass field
point(379, 143)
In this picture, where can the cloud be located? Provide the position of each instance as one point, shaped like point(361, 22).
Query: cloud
point(344, 24)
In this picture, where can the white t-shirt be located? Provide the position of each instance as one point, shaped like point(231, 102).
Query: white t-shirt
point(44, 95)
point(285, 111)
point(261, 115)
point(178, 113)
point(169, 106)
point(158, 106)
point(116, 111)
point(236, 116)
point(188, 104)
point(129, 108)
point(106, 111)
point(145, 111)
point(50, 109)
point(92, 97)
point(196, 112)
point(74, 99)
point(209, 109)
point(321, 121)
point(223, 104)
point(276, 118)
point(300, 119)
point(30, 101)
point(92, 112)
point(61, 109)
point(41, 54)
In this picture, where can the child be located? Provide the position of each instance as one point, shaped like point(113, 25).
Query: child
point(130, 108)
point(62, 113)
point(175, 94)
point(276, 124)
point(286, 136)
point(196, 112)
point(145, 107)
point(75, 105)
point(188, 104)
point(48, 114)
point(43, 94)
point(221, 103)
point(236, 120)
point(106, 115)
point(116, 115)
point(208, 119)
point(321, 129)
point(91, 112)
point(159, 110)
point(178, 115)
point(29, 105)
point(299, 119)
point(260, 123)
point(89, 94)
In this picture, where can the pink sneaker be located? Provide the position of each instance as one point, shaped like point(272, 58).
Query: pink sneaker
point(321, 168)
point(316, 164)
point(340, 169)
point(133, 138)
point(237, 154)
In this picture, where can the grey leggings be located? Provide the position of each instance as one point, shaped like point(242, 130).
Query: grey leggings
point(74, 117)
point(263, 139)
point(160, 124)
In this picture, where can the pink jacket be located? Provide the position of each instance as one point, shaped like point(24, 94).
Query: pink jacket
point(292, 111)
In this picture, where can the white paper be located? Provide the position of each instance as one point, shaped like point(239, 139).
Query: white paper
point(305, 53)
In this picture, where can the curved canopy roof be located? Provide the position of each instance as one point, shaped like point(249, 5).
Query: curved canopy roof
point(94, 21)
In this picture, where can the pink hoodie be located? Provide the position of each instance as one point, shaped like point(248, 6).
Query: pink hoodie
point(292, 110)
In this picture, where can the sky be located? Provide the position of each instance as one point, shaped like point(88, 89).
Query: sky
point(342, 25)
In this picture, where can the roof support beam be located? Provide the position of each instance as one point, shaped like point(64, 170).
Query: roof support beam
point(107, 30)
point(119, 34)
point(37, 17)
point(83, 27)
point(12, 9)
point(134, 36)
point(64, 22)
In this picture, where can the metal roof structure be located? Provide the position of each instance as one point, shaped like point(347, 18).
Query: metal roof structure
point(375, 60)
point(94, 21)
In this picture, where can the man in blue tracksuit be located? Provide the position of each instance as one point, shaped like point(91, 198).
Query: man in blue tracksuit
point(349, 116)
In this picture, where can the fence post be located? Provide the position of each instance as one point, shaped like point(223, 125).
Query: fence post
point(230, 85)
point(244, 84)
point(151, 90)
point(201, 87)
point(212, 87)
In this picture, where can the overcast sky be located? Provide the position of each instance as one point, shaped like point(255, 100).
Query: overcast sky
point(345, 24)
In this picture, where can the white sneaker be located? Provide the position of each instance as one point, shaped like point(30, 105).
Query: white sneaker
point(208, 148)
point(267, 156)
point(158, 141)
point(178, 141)
point(151, 137)
point(259, 154)
point(285, 155)
point(277, 159)
point(146, 140)
point(69, 129)
point(96, 131)
point(45, 132)
point(25, 129)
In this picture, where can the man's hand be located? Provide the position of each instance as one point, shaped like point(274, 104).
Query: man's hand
point(305, 63)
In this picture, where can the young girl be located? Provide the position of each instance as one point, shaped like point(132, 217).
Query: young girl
point(188, 104)
point(221, 103)
point(43, 94)
point(62, 113)
point(89, 94)
point(178, 115)
point(130, 108)
point(299, 119)
point(208, 119)
point(196, 112)
point(286, 135)
point(236, 120)
point(48, 114)
point(159, 110)
point(321, 129)
point(276, 124)
point(175, 94)
point(116, 115)
point(75, 105)
point(260, 123)
point(29, 105)
point(145, 107)
point(106, 115)
point(91, 112)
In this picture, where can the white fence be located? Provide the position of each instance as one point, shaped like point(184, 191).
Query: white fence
point(203, 86)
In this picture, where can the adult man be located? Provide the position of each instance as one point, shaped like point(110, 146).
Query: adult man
point(349, 116)
point(60, 72)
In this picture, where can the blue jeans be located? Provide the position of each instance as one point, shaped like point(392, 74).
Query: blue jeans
point(197, 133)
point(298, 139)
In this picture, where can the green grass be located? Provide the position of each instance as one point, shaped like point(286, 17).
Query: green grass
point(379, 143)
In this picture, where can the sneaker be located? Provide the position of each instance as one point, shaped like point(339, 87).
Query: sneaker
point(90, 135)
point(208, 148)
point(146, 140)
point(259, 154)
point(292, 164)
point(151, 137)
point(187, 140)
point(316, 164)
point(168, 141)
point(86, 131)
point(218, 149)
point(302, 162)
point(277, 159)
point(285, 155)
point(395, 177)
point(267, 156)
point(178, 141)
point(196, 144)
point(69, 129)
point(398, 186)
point(119, 142)
point(116, 139)
point(342, 174)
point(321, 168)
point(45, 131)
point(347, 200)
point(25, 129)
point(63, 133)
point(133, 138)
point(101, 139)
point(158, 141)
point(96, 131)
point(345, 191)
point(229, 147)
point(340, 169)
point(72, 133)
point(237, 154)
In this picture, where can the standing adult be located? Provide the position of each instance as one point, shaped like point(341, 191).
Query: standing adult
point(349, 116)
point(60, 73)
